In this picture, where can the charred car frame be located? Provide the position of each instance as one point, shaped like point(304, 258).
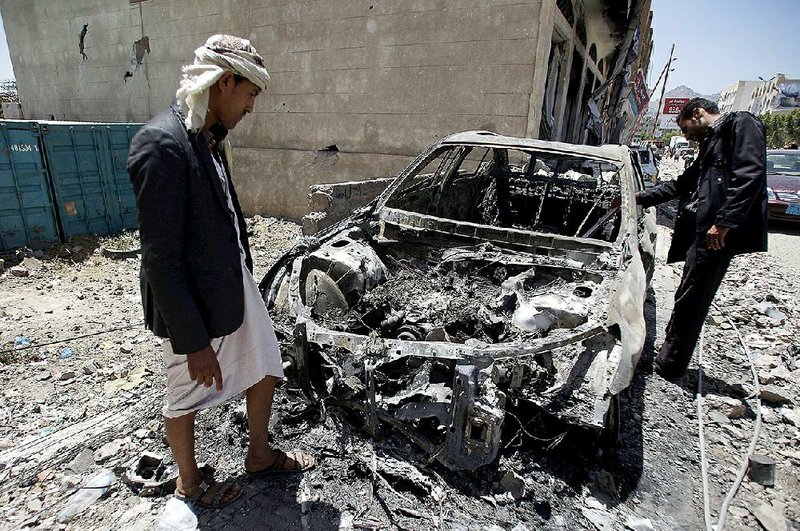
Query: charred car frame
point(494, 274)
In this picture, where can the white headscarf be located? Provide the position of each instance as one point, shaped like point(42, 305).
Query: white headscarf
point(220, 54)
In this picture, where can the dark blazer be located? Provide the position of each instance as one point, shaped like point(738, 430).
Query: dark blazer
point(191, 275)
point(730, 177)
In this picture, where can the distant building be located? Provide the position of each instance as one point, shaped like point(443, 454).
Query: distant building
point(779, 95)
point(736, 96)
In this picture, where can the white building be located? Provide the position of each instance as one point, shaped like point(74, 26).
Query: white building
point(779, 95)
point(736, 96)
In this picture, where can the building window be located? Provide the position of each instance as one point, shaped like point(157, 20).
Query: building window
point(565, 6)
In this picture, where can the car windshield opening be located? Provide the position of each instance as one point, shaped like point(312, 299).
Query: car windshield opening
point(552, 193)
point(783, 163)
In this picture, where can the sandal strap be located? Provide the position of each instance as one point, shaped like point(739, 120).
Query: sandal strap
point(224, 489)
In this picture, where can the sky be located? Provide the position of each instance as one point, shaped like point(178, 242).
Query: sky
point(719, 42)
point(6, 71)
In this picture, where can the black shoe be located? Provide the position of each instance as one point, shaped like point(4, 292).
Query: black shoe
point(667, 371)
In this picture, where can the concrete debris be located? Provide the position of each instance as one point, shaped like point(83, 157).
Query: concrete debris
point(770, 516)
point(730, 407)
point(601, 520)
point(639, 524)
point(111, 450)
point(19, 271)
point(768, 309)
point(50, 428)
point(513, 484)
point(148, 475)
point(774, 395)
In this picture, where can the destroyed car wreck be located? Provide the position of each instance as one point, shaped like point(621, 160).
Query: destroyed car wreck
point(494, 277)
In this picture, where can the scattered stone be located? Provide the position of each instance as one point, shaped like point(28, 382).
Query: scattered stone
point(639, 524)
point(738, 512)
point(770, 516)
point(718, 417)
point(19, 271)
point(768, 309)
point(81, 463)
point(730, 407)
point(602, 520)
point(126, 348)
point(34, 505)
point(768, 362)
point(513, 484)
point(31, 264)
point(790, 416)
point(109, 450)
point(90, 367)
point(66, 375)
point(772, 394)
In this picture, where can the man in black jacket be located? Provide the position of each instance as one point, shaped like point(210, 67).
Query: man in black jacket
point(198, 291)
point(722, 212)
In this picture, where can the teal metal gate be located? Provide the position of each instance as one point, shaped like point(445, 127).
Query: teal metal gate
point(90, 182)
point(27, 217)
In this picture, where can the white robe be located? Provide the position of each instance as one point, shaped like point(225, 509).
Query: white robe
point(245, 357)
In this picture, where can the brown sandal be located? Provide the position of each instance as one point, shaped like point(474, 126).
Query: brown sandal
point(208, 483)
point(302, 463)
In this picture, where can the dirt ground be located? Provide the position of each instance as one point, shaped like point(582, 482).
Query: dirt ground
point(85, 391)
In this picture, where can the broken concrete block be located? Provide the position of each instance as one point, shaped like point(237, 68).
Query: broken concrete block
point(768, 309)
point(109, 450)
point(772, 394)
point(761, 469)
point(31, 264)
point(19, 271)
point(639, 524)
point(513, 484)
point(790, 416)
point(770, 516)
point(767, 362)
point(126, 348)
point(730, 407)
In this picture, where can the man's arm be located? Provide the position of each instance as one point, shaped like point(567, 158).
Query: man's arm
point(683, 186)
point(748, 171)
point(158, 168)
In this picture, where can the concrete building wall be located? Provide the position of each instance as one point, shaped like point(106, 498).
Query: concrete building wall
point(381, 81)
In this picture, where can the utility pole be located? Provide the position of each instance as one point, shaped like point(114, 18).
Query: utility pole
point(661, 98)
point(650, 95)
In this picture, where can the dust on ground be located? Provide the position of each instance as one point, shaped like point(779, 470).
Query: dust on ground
point(87, 394)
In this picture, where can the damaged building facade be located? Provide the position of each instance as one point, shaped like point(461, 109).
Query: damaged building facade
point(358, 88)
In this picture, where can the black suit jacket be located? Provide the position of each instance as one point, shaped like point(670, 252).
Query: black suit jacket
point(730, 177)
point(191, 275)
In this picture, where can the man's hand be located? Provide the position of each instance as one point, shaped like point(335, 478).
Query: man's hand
point(715, 239)
point(204, 367)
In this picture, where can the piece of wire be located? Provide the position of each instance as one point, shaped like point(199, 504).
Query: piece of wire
point(723, 511)
point(58, 341)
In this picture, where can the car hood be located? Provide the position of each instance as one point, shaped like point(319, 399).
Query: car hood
point(780, 181)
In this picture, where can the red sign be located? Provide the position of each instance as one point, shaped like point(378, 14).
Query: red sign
point(674, 105)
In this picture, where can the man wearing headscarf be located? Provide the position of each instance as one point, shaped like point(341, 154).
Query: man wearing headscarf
point(198, 290)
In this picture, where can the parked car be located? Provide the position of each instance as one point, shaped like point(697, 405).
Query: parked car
point(494, 280)
point(783, 184)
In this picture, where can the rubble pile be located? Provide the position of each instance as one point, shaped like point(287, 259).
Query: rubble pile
point(82, 392)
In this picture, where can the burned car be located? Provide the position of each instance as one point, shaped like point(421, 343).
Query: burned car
point(495, 277)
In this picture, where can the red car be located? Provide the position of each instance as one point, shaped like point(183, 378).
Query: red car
point(783, 184)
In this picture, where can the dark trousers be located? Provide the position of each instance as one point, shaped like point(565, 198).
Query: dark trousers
point(702, 275)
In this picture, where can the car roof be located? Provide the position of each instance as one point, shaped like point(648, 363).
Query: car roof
point(783, 152)
point(608, 151)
